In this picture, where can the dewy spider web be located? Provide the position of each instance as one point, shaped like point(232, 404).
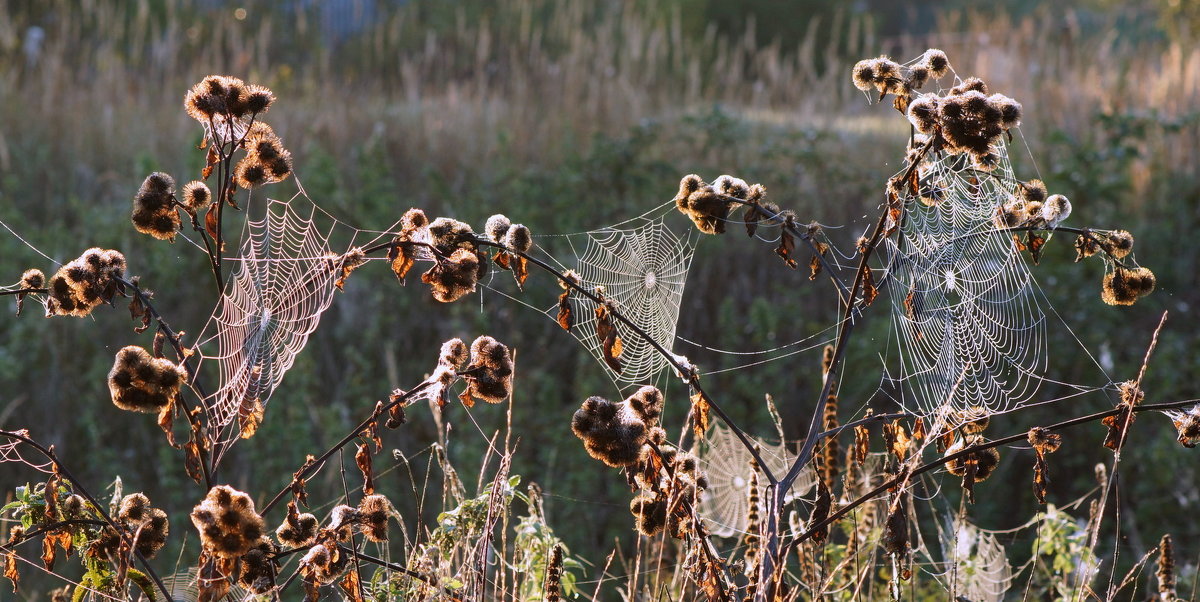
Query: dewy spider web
point(963, 301)
point(725, 503)
point(283, 283)
point(642, 266)
point(976, 564)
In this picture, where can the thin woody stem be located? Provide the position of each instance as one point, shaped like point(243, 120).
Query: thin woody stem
point(315, 464)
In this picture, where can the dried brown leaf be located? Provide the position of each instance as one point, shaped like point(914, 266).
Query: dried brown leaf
point(566, 317)
point(787, 249)
point(210, 222)
point(352, 586)
point(862, 443)
point(10, 569)
point(1117, 424)
point(362, 458)
point(700, 415)
point(250, 416)
point(610, 343)
point(868, 287)
point(1035, 247)
point(752, 216)
point(402, 260)
point(191, 461)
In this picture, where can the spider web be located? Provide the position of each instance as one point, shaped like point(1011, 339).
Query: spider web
point(977, 565)
point(726, 503)
point(969, 326)
point(642, 266)
point(274, 301)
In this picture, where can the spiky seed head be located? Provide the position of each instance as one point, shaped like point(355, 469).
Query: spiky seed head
point(453, 277)
point(373, 512)
point(227, 522)
point(300, 534)
point(496, 226)
point(258, 99)
point(454, 353)
point(935, 59)
point(33, 278)
point(518, 238)
point(196, 195)
point(1120, 243)
point(863, 74)
point(647, 403)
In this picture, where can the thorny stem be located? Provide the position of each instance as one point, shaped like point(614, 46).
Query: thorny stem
point(61, 469)
point(172, 336)
point(1156, 407)
point(310, 467)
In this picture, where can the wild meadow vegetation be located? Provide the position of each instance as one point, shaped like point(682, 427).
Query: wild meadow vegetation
point(363, 474)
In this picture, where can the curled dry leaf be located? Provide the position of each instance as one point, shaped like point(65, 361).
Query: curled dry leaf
point(1117, 425)
point(1043, 442)
point(362, 458)
point(699, 417)
point(610, 344)
point(787, 249)
point(862, 443)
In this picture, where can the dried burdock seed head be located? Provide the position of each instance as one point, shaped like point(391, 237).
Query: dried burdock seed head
point(518, 238)
point(324, 563)
point(918, 75)
point(134, 508)
point(1123, 287)
point(887, 73)
point(611, 432)
point(985, 461)
point(258, 99)
point(986, 161)
point(1044, 440)
point(1188, 426)
point(971, 84)
point(650, 512)
point(152, 533)
point(703, 205)
point(74, 505)
point(937, 62)
point(279, 167)
point(84, 283)
point(33, 278)
point(300, 534)
point(141, 383)
point(1131, 393)
point(923, 113)
point(227, 522)
point(731, 186)
point(257, 568)
point(454, 276)
point(196, 195)
point(450, 234)
point(1085, 246)
point(342, 520)
point(373, 513)
point(1055, 210)
point(1009, 110)
point(454, 353)
point(250, 172)
point(971, 420)
point(496, 226)
point(647, 403)
point(1033, 190)
point(489, 376)
point(413, 219)
point(863, 74)
point(158, 184)
point(1119, 243)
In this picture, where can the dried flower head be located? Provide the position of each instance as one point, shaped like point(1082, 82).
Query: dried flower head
point(518, 238)
point(647, 403)
point(923, 113)
point(1124, 286)
point(496, 226)
point(454, 353)
point(984, 461)
point(454, 276)
point(139, 382)
point(450, 234)
point(373, 513)
point(1055, 210)
point(153, 207)
point(258, 99)
point(1031, 191)
point(611, 432)
point(1009, 110)
point(324, 563)
point(935, 59)
point(250, 172)
point(299, 531)
point(196, 195)
point(81, 285)
point(863, 74)
point(971, 84)
point(257, 567)
point(33, 278)
point(1118, 243)
point(149, 525)
point(489, 376)
point(227, 522)
point(702, 204)
point(650, 510)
